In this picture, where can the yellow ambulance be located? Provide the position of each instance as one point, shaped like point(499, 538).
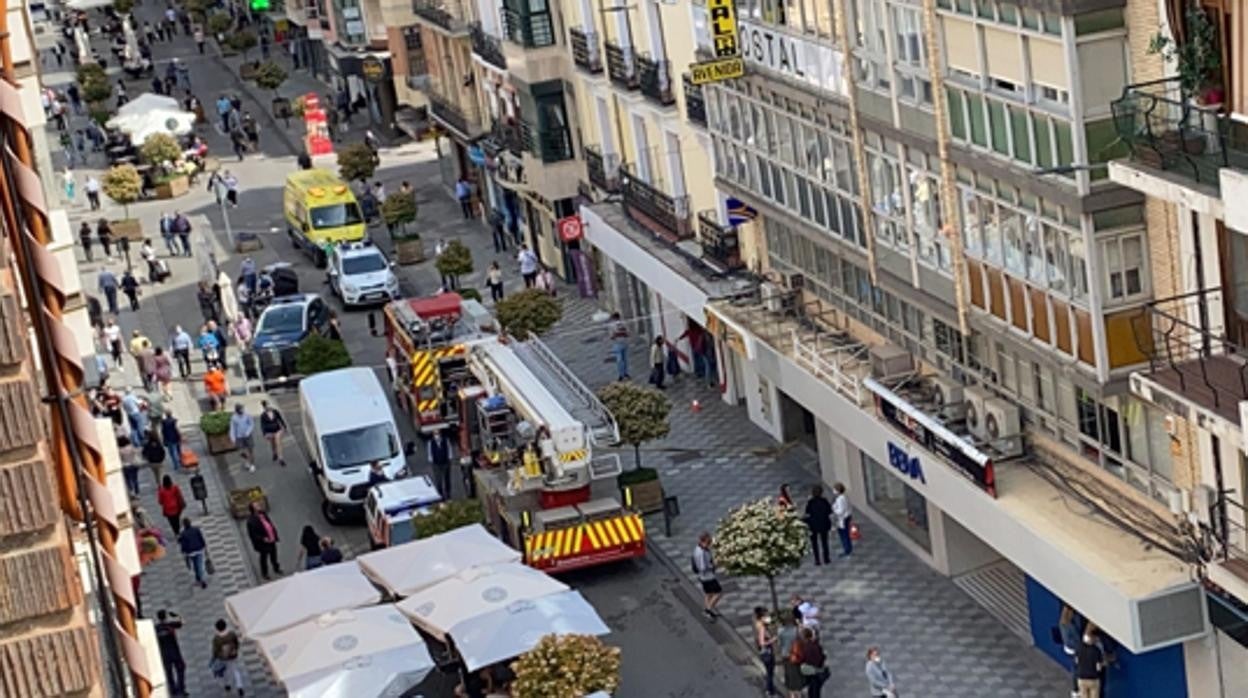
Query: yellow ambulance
point(321, 210)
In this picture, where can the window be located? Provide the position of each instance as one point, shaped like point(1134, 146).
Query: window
point(1124, 266)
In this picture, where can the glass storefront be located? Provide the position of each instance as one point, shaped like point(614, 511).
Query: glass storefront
point(896, 501)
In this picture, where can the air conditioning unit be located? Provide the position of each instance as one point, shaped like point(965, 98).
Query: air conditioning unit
point(976, 398)
point(1001, 420)
point(948, 396)
point(890, 360)
point(772, 297)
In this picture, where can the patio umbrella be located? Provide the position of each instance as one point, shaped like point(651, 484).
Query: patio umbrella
point(148, 101)
point(474, 592)
point(408, 568)
point(149, 114)
point(350, 653)
point(292, 600)
point(516, 628)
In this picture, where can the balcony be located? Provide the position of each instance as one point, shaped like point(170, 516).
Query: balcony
point(505, 135)
point(655, 78)
point(528, 29)
point(720, 243)
point(585, 52)
point(488, 48)
point(463, 122)
point(662, 214)
point(695, 105)
point(549, 146)
point(621, 65)
point(1166, 130)
point(447, 15)
point(602, 169)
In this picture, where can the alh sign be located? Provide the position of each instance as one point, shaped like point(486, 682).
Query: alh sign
point(727, 64)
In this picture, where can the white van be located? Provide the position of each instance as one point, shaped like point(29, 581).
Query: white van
point(347, 424)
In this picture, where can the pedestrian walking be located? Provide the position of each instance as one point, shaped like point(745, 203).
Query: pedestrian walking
point(231, 188)
point(224, 664)
point(194, 551)
point(182, 226)
point(334, 328)
point(494, 280)
point(242, 427)
point(263, 535)
point(251, 130)
point(658, 356)
point(440, 452)
point(92, 187)
point(167, 234)
point(545, 280)
point(528, 265)
point(148, 255)
point(67, 181)
point(223, 111)
point(199, 39)
point(819, 521)
point(239, 142)
point(242, 330)
point(104, 233)
point(272, 427)
point(618, 333)
point(108, 285)
point(880, 679)
point(765, 641)
point(153, 451)
point(172, 436)
point(309, 556)
point(463, 193)
point(133, 406)
point(814, 666)
point(84, 237)
point(844, 514)
point(130, 287)
point(112, 337)
point(172, 503)
point(129, 457)
point(209, 343)
point(215, 386)
point(784, 500)
point(162, 371)
point(168, 624)
point(498, 233)
point(181, 343)
point(704, 569)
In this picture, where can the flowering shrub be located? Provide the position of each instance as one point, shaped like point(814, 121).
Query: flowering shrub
point(566, 666)
point(760, 539)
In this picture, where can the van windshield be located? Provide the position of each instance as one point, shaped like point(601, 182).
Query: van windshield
point(336, 215)
point(356, 447)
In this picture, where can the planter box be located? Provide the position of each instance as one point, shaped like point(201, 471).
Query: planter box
point(647, 496)
point(130, 229)
point(240, 501)
point(174, 187)
point(409, 250)
point(219, 443)
point(247, 71)
point(247, 242)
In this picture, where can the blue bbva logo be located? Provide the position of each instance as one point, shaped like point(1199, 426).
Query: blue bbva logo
point(905, 463)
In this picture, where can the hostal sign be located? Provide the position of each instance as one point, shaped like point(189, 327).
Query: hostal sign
point(792, 56)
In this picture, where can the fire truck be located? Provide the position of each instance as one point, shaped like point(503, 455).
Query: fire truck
point(528, 427)
point(426, 338)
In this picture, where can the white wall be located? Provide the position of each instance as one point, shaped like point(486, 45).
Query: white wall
point(1216, 665)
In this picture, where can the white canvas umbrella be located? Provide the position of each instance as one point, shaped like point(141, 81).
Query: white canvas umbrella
point(474, 592)
point(408, 568)
point(365, 652)
point(87, 4)
point(291, 600)
point(149, 114)
point(147, 102)
point(516, 628)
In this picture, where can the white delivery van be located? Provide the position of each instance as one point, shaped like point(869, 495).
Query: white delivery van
point(347, 424)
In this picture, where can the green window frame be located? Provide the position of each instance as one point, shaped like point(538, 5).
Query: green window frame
point(1044, 141)
point(1022, 137)
point(997, 122)
point(979, 125)
point(957, 115)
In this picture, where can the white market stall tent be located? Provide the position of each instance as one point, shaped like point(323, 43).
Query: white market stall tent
point(149, 114)
point(474, 592)
point(517, 627)
point(302, 596)
point(406, 569)
point(349, 654)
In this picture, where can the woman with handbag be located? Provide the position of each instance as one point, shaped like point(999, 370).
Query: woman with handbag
point(788, 639)
point(814, 666)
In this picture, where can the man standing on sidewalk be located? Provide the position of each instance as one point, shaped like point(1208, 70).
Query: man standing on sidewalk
point(463, 192)
point(440, 454)
point(195, 550)
point(182, 226)
point(108, 286)
point(263, 536)
point(242, 426)
point(819, 521)
point(181, 343)
point(618, 333)
point(172, 436)
point(92, 187)
point(528, 265)
point(168, 624)
point(272, 426)
point(704, 568)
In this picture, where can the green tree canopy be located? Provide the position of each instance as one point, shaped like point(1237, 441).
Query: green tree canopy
point(640, 411)
point(270, 75)
point(160, 148)
point(531, 310)
point(356, 162)
point(317, 354)
point(449, 516)
point(567, 666)
point(398, 210)
point(123, 184)
point(94, 83)
point(761, 539)
point(241, 41)
point(198, 8)
point(123, 7)
point(219, 23)
point(455, 261)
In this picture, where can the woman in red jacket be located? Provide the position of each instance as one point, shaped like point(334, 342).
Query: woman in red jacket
point(171, 503)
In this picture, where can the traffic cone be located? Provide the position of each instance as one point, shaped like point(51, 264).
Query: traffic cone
point(696, 406)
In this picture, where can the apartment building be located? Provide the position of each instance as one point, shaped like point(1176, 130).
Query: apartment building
point(956, 290)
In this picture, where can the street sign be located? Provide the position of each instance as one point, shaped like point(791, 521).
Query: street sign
point(715, 71)
point(570, 228)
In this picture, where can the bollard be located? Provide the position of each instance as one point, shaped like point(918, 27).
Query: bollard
point(671, 509)
point(372, 324)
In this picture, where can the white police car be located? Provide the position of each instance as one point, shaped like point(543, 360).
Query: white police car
point(359, 274)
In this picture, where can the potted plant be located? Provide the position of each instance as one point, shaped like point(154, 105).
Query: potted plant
point(469, 294)
point(567, 665)
point(123, 184)
point(399, 211)
point(641, 415)
point(270, 76)
point(454, 262)
point(163, 152)
point(356, 163)
point(529, 311)
point(449, 516)
point(242, 42)
point(216, 428)
point(317, 354)
point(1197, 59)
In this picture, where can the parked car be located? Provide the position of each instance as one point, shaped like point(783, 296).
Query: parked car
point(359, 273)
point(282, 326)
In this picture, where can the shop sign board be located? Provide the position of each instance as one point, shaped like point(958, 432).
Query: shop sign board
point(795, 57)
point(905, 463)
point(716, 71)
point(722, 17)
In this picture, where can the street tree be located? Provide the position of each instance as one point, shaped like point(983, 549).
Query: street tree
point(197, 9)
point(160, 150)
point(761, 539)
point(123, 184)
point(356, 162)
point(640, 411)
point(398, 211)
point(531, 310)
point(317, 354)
point(454, 262)
point(241, 42)
point(219, 22)
point(270, 76)
point(123, 7)
point(93, 82)
point(567, 666)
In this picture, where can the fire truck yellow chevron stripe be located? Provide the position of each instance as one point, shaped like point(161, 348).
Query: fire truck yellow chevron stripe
point(529, 544)
point(609, 533)
point(572, 542)
point(591, 541)
point(570, 456)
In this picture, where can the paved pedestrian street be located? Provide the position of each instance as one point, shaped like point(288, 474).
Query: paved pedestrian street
point(936, 639)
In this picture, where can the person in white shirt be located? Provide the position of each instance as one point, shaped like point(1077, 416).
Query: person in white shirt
point(242, 426)
point(843, 513)
point(528, 265)
point(704, 568)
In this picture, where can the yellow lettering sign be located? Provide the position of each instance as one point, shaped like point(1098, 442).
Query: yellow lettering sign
point(723, 25)
point(715, 71)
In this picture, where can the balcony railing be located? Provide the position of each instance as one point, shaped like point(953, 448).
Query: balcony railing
point(719, 242)
point(1165, 128)
point(489, 48)
point(695, 105)
point(585, 51)
point(661, 213)
point(451, 114)
point(551, 145)
point(447, 15)
point(655, 77)
point(603, 169)
point(506, 135)
point(621, 65)
point(530, 30)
